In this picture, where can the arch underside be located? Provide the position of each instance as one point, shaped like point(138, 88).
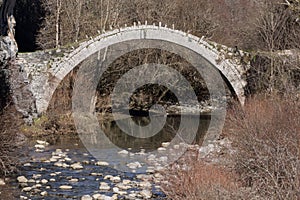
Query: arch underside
point(144, 32)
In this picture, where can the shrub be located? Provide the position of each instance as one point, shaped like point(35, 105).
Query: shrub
point(266, 137)
point(200, 181)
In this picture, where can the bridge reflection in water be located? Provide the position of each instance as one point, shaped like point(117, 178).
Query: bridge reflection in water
point(171, 128)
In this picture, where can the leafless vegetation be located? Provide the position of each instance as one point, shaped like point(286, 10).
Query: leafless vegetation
point(266, 135)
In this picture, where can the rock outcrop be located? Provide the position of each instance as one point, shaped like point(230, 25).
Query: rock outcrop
point(13, 79)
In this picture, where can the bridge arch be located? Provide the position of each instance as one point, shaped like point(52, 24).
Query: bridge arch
point(233, 72)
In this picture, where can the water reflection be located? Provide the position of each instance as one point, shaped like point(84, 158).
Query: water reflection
point(125, 141)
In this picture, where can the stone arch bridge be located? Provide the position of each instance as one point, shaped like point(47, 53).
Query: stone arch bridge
point(44, 70)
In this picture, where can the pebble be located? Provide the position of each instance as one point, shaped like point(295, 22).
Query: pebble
point(44, 193)
point(86, 197)
point(44, 181)
point(76, 166)
point(65, 187)
point(2, 182)
point(39, 146)
point(146, 194)
point(27, 165)
point(97, 196)
point(134, 165)
point(123, 152)
point(116, 179)
point(27, 189)
point(161, 149)
point(42, 142)
point(104, 186)
point(102, 163)
point(74, 180)
point(165, 144)
point(22, 179)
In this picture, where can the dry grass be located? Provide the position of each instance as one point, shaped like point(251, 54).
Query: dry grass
point(9, 124)
point(266, 136)
point(200, 181)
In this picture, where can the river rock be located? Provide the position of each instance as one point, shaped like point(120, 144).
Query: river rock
point(147, 194)
point(97, 196)
point(74, 180)
point(102, 163)
point(116, 179)
point(104, 186)
point(145, 184)
point(39, 146)
point(123, 186)
point(134, 165)
point(44, 193)
point(123, 152)
point(44, 181)
point(2, 182)
point(86, 197)
point(27, 189)
point(165, 144)
point(65, 187)
point(22, 179)
point(76, 166)
point(161, 149)
point(42, 142)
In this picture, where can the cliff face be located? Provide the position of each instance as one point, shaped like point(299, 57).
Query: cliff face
point(13, 81)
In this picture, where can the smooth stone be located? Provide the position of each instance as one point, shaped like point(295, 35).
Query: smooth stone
point(145, 184)
point(58, 164)
point(53, 160)
point(123, 152)
point(86, 197)
point(22, 179)
point(36, 176)
point(27, 189)
point(161, 149)
point(102, 163)
point(104, 186)
point(68, 159)
point(52, 180)
point(126, 181)
point(134, 165)
point(165, 144)
point(44, 181)
point(65, 187)
point(116, 179)
point(146, 194)
point(37, 186)
point(123, 186)
point(39, 146)
point(97, 196)
point(27, 165)
point(2, 182)
point(163, 159)
point(76, 166)
point(108, 177)
point(42, 142)
point(44, 193)
point(151, 157)
point(31, 181)
point(74, 180)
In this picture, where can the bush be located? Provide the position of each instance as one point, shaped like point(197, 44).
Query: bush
point(10, 121)
point(200, 181)
point(266, 137)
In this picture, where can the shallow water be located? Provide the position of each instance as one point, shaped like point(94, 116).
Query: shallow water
point(88, 183)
